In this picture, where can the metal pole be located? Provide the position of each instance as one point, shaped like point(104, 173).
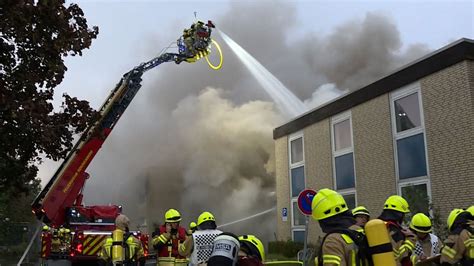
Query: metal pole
point(29, 245)
point(305, 248)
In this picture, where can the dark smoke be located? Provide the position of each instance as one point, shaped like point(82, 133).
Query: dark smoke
point(196, 139)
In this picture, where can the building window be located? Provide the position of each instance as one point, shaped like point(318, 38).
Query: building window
point(411, 156)
point(344, 166)
point(342, 135)
point(410, 147)
point(350, 200)
point(343, 157)
point(417, 196)
point(297, 183)
point(298, 218)
point(407, 112)
point(296, 150)
point(298, 235)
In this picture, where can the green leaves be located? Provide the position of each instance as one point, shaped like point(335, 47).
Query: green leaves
point(34, 39)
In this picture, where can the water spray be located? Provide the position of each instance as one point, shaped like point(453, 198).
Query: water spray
point(247, 218)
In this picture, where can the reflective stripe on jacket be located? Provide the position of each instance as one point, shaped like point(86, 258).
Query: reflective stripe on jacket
point(458, 248)
point(339, 249)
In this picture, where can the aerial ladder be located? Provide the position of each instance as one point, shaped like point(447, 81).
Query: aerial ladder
point(60, 204)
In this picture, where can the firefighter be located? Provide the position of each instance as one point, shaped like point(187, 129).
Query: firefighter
point(55, 241)
point(403, 241)
point(225, 250)
point(192, 228)
point(188, 40)
point(196, 38)
point(171, 235)
point(471, 211)
point(252, 252)
point(122, 247)
point(459, 246)
point(427, 244)
point(361, 215)
point(337, 247)
point(199, 245)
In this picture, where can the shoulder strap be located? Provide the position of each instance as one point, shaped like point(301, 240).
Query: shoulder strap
point(357, 237)
point(363, 256)
point(398, 235)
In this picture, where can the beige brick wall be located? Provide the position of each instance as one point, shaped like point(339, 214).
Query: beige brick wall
point(449, 120)
point(318, 164)
point(373, 153)
point(448, 103)
point(471, 81)
point(282, 187)
point(318, 173)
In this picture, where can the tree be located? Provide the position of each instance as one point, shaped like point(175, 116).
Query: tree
point(35, 36)
point(16, 213)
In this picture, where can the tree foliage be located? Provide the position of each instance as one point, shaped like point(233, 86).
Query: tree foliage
point(35, 37)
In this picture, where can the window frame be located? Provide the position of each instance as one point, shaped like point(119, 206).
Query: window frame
point(350, 191)
point(298, 164)
point(290, 139)
point(296, 229)
point(292, 166)
point(335, 120)
point(396, 136)
point(293, 210)
point(426, 182)
point(291, 179)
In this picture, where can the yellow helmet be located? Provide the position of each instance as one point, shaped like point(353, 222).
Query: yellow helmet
point(453, 215)
point(327, 203)
point(471, 210)
point(397, 203)
point(420, 223)
point(172, 216)
point(254, 245)
point(192, 225)
point(45, 228)
point(204, 217)
point(360, 210)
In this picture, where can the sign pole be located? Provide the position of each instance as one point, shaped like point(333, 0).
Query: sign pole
point(305, 248)
point(305, 199)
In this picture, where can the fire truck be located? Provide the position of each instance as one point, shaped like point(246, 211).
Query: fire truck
point(76, 232)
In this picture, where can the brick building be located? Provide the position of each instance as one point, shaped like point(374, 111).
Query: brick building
point(409, 133)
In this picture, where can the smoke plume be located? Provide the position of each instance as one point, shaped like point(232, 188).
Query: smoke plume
point(196, 139)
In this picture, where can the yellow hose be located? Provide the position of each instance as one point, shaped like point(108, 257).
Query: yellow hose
point(221, 57)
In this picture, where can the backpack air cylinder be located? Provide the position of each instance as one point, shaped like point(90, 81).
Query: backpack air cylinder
point(117, 247)
point(380, 246)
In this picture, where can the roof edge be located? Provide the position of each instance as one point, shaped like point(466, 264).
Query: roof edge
point(453, 53)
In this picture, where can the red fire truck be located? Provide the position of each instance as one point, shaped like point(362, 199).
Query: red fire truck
point(76, 232)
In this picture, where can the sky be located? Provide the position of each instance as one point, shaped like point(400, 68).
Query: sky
point(306, 44)
point(129, 27)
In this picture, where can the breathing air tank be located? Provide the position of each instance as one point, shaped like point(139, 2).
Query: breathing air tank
point(118, 255)
point(379, 243)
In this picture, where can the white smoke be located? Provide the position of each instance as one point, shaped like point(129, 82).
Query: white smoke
point(324, 94)
point(184, 144)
